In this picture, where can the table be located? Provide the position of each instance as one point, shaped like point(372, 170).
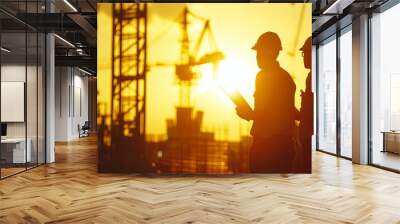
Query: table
point(13, 150)
point(391, 141)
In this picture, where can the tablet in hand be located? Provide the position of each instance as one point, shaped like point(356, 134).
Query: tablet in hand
point(239, 100)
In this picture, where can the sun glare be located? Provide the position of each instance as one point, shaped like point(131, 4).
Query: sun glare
point(233, 75)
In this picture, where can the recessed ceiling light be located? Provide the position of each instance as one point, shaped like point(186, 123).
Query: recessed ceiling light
point(337, 7)
point(70, 5)
point(65, 41)
point(5, 50)
point(84, 71)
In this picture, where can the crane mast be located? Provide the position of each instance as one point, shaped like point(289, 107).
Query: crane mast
point(185, 69)
point(122, 130)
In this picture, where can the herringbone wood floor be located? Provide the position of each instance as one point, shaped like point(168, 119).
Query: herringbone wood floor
point(71, 191)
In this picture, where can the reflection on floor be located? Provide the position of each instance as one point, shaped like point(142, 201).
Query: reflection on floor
point(71, 191)
point(11, 169)
point(387, 159)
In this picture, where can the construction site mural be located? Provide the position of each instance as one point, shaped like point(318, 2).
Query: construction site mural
point(204, 88)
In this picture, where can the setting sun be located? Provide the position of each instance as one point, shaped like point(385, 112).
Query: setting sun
point(233, 74)
point(236, 75)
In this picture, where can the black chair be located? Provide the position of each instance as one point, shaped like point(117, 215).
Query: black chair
point(84, 130)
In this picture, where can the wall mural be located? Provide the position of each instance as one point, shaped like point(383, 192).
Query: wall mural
point(204, 88)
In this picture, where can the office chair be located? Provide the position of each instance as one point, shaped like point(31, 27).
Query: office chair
point(84, 130)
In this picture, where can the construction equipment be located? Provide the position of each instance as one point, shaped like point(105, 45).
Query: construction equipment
point(295, 49)
point(185, 69)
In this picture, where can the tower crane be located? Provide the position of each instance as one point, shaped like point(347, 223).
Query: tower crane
point(122, 121)
point(293, 51)
point(185, 69)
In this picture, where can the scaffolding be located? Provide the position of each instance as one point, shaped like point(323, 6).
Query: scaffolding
point(123, 130)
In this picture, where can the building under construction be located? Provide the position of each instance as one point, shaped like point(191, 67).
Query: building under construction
point(188, 149)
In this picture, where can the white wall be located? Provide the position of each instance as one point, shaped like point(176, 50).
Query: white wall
point(62, 81)
point(71, 102)
point(80, 110)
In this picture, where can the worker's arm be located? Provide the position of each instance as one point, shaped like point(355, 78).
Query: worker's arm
point(245, 113)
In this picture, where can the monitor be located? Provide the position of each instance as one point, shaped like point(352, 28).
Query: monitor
point(3, 129)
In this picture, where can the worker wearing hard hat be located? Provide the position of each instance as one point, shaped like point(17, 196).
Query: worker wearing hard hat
point(274, 111)
point(306, 111)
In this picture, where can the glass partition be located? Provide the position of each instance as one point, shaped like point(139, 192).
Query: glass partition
point(13, 94)
point(346, 93)
point(327, 95)
point(22, 88)
point(385, 89)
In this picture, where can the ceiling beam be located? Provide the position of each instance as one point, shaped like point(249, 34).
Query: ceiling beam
point(79, 61)
point(84, 24)
point(337, 7)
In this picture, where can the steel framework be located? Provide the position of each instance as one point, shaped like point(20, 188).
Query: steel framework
point(125, 149)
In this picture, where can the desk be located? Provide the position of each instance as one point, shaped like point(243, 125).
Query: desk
point(13, 150)
point(391, 141)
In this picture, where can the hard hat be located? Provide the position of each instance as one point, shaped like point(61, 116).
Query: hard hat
point(307, 45)
point(268, 40)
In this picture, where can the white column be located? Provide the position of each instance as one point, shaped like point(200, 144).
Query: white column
point(360, 89)
point(50, 100)
point(50, 92)
point(63, 102)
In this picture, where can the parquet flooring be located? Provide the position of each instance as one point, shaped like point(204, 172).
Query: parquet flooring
point(71, 191)
point(10, 171)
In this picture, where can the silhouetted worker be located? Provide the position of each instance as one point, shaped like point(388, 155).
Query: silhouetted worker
point(274, 111)
point(306, 111)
